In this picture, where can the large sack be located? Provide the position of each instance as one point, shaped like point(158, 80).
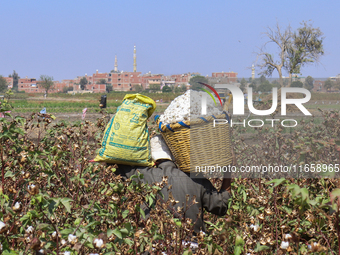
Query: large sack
point(126, 137)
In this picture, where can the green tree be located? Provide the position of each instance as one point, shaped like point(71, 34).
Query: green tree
point(183, 88)
point(276, 84)
point(297, 84)
point(328, 84)
point(101, 81)
point(16, 78)
point(83, 82)
point(166, 89)
point(243, 84)
point(337, 85)
point(263, 79)
point(296, 49)
point(253, 86)
point(155, 87)
point(46, 82)
point(177, 89)
point(309, 83)
point(3, 84)
point(194, 82)
point(137, 88)
point(67, 89)
point(265, 86)
point(304, 48)
point(109, 88)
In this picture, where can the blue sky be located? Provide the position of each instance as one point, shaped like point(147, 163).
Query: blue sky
point(65, 39)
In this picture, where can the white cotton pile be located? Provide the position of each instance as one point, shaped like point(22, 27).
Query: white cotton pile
point(188, 107)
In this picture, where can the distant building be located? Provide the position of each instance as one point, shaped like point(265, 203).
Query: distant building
point(124, 81)
point(29, 85)
point(231, 76)
point(335, 78)
point(9, 81)
point(296, 77)
point(319, 86)
point(151, 79)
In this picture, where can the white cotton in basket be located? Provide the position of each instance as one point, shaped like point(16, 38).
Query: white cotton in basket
point(188, 107)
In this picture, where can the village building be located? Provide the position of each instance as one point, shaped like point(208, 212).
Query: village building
point(9, 81)
point(319, 86)
point(230, 76)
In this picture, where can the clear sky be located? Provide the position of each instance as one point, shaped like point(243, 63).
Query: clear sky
point(65, 39)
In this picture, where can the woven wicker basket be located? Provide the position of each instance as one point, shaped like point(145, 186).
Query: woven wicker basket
point(198, 143)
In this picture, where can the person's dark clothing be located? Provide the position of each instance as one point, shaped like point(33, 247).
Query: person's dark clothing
point(207, 196)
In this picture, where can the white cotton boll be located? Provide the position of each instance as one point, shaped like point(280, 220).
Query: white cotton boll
point(98, 242)
point(63, 242)
point(288, 236)
point(254, 227)
point(193, 245)
point(16, 206)
point(29, 230)
point(72, 238)
point(67, 253)
point(284, 245)
point(2, 225)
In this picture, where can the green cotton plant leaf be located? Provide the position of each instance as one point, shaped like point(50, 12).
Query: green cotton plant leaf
point(43, 226)
point(239, 241)
point(128, 242)
point(67, 231)
point(117, 233)
point(188, 252)
point(260, 247)
point(140, 210)
point(53, 203)
point(77, 221)
point(124, 231)
point(304, 194)
point(277, 182)
point(237, 250)
point(125, 213)
point(66, 202)
point(178, 222)
point(244, 196)
point(128, 226)
point(287, 209)
point(39, 197)
point(295, 188)
point(93, 223)
point(9, 174)
point(109, 232)
point(7, 252)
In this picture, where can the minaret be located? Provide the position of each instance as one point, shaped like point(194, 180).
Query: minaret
point(252, 72)
point(134, 59)
point(116, 65)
